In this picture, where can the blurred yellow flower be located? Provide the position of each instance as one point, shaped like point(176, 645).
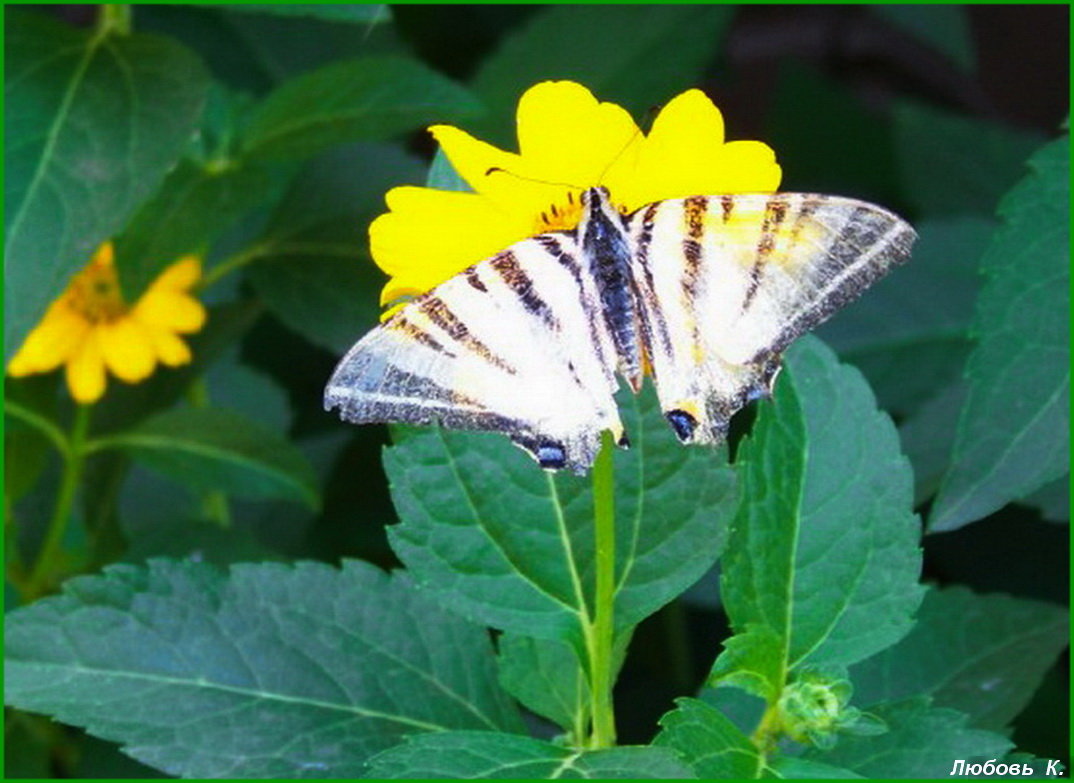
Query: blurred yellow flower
point(90, 328)
point(568, 142)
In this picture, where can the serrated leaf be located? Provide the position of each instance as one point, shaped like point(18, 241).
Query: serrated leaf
point(271, 671)
point(482, 754)
point(618, 52)
point(953, 164)
point(710, 743)
point(945, 28)
point(823, 562)
point(984, 655)
point(313, 268)
point(922, 742)
point(93, 122)
point(193, 206)
point(1013, 434)
point(369, 99)
point(213, 448)
point(510, 545)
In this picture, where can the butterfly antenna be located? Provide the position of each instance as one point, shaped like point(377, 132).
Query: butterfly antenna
point(633, 137)
point(498, 170)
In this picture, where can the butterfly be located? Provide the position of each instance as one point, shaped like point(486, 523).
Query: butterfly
point(702, 293)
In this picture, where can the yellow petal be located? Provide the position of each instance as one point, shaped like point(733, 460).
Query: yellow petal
point(127, 349)
point(486, 168)
point(684, 155)
point(166, 308)
point(431, 235)
point(182, 275)
point(85, 370)
point(104, 255)
point(566, 135)
point(50, 343)
point(169, 348)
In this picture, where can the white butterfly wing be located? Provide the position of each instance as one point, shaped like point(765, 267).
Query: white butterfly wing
point(514, 344)
point(727, 282)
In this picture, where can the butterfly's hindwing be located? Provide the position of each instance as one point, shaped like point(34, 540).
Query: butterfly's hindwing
point(514, 344)
point(727, 282)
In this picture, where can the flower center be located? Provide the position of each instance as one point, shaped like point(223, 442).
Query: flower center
point(560, 216)
point(94, 293)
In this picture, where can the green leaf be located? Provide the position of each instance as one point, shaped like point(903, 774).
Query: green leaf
point(359, 13)
point(618, 52)
point(928, 436)
point(193, 206)
point(270, 671)
point(710, 743)
point(547, 677)
point(510, 545)
point(313, 268)
point(213, 448)
point(953, 164)
point(370, 98)
point(483, 754)
point(1013, 434)
point(922, 742)
point(945, 28)
point(1053, 500)
point(984, 655)
point(93, 122)
point(823, 561)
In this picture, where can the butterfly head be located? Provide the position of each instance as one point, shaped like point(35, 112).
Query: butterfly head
point(597, 204)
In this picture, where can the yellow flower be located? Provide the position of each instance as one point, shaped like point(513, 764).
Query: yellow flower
point(90, 328)
point(568, 142)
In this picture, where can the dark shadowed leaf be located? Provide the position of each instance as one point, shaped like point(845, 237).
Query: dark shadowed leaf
point(360, 13)
point(946, 28)
point(620, 52)
point(214, 448)
point(366, 99)
point(313, 267)
point(921, 742)
point(270, 671)
point(93, 122)
point(951, 164)
point(984, 655)
point(1013, 433)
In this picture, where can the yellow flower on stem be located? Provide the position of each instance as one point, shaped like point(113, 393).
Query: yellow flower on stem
point(90, 328)
point(568, 141)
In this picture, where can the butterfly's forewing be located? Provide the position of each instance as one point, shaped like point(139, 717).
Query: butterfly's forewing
point(727, 282)
point(510, 345)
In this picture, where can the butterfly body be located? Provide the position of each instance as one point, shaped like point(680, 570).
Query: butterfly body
point(704, 293)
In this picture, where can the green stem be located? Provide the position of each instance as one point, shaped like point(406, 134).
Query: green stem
point(45, 564)
point(40, 423)
point(600, 652)
point(114, 17)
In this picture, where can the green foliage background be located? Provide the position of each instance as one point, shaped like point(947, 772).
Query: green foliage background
point(896, 518)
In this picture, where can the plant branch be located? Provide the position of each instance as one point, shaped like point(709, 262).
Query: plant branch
point(600, 652)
